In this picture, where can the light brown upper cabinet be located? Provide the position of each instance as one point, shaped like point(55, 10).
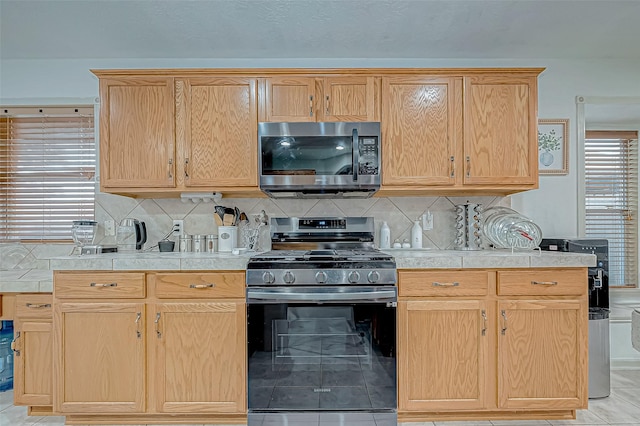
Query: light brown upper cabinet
point(421, 131)
point(137, 133)
point(500, 134)
point(217, 132)
point(299, 98)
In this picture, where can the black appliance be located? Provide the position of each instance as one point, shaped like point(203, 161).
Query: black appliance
point(599, 340)
point(322, 325)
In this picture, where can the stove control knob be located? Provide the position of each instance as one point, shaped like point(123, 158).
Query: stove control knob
point(373, 276)
point(354, 277)
point(289, 278)
point(268, 278)
point(321, 277)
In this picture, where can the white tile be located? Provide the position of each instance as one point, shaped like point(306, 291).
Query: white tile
point(625, 379)
point(16, 416)
point(6, 399)
point(632, 395)
point(614, 409)
point(487, 423)
point(519, 422)
point(583, 417)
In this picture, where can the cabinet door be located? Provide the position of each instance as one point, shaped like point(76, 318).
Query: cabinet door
point(542, 354)
point(200, 357)
point(33, 375)
point(290, 99)
point(442, 352)
point(500, 138)
point(421, 130)
point(137, 132)
point(99, 357)
point(217, 125)
point(347, 99)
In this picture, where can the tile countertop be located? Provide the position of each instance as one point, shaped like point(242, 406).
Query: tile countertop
point(41, 280)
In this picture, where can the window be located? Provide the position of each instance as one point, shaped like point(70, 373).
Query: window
point(611, 199)
point(47, 171)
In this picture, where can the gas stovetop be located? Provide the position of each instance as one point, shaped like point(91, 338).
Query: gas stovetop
point(344, 254)
point(326, 267)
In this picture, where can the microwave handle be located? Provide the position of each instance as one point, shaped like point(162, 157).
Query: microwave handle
point(355, 149)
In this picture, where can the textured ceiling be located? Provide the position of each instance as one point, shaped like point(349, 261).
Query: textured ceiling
point(64, 29)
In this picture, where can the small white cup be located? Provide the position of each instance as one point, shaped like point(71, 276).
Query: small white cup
point(227, 238)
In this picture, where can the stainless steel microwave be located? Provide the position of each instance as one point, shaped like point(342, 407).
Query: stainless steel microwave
point(319, 160)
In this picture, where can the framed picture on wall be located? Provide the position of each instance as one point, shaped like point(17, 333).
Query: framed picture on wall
point(553, 146)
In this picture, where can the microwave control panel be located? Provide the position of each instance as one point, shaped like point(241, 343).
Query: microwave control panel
point(369, 162)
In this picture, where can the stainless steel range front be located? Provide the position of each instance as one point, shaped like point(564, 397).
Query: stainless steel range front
point(322, 326)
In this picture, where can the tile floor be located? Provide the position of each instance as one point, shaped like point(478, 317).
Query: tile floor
point(621, 408)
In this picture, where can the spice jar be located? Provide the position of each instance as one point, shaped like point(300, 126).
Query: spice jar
point(185, 243)
point(197, 244)
point(211, 243)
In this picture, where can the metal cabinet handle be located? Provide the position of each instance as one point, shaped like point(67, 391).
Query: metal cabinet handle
point(327, 105)
point(310, 106)
point(453, 284)
point(38, 305)
point(484, 322)
point(186, 168)
point(170, 172)
point(544, 282)
point(138, 316)
point(103, 285)
point(504, 327)
point(201, 285)
point(157, 323)
point(13, 343)
point(468, 166)
point(453, 166)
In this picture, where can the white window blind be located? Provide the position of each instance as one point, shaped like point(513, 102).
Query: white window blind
point(47, 171)
point(611, 199)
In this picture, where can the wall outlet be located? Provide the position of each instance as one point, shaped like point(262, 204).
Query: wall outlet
point(109, 228)
point(427, 221)
point(178, 227)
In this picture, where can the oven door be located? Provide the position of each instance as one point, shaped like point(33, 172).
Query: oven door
point(322, 351)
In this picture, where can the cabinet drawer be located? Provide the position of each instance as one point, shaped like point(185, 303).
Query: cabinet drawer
point(556, 282)
point(443, 283)
point(34, 306)
point(99, 285)
point(191, 285)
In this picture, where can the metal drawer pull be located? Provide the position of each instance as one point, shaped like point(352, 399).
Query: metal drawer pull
point(38, 305)
point(544, 282)
point(504, 327)
point(104, 284)
point(13, 343)
point(453, 284)
point(157, 322)
point(484, 322)
point(201, 285)
point(138, 316)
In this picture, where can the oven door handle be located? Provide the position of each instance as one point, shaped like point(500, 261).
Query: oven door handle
point(321, 294)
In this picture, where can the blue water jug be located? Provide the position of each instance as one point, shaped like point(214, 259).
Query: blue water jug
point(6, 356)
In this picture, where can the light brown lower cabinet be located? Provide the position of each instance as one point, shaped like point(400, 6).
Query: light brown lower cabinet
point(492, 344)
point(174, 346)
point(32, 346)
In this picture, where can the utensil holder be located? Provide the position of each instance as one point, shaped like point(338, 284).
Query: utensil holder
point(468, 228)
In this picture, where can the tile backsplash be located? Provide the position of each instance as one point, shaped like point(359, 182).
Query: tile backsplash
point(158, 214)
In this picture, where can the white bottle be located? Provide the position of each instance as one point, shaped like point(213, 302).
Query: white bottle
point(416, 235)
point(385, 236)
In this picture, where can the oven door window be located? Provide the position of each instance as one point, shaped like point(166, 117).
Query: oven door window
point(307, 155)
point(321, 357)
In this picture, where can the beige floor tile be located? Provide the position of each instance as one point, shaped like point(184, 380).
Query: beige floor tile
point(6, 399)
point(583, 417)
point(625, 379)
point(631, 395)
point(614, 409)
point(520, 422)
